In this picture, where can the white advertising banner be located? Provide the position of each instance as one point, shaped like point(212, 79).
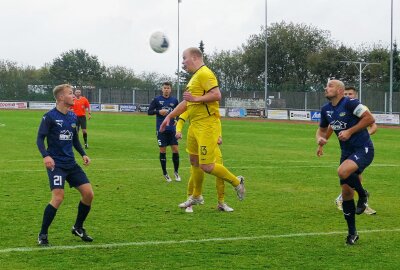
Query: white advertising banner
point(390, 119)
point(222, 112)
point(41, 105)
point(278, 114)
point(300, 115)
point(109, 108)
point(13, 105)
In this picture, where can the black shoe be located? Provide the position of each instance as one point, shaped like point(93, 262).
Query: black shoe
point(86, 146)
point(351, 239)
point(81, 232)
point(42, 240)
point(362, 204)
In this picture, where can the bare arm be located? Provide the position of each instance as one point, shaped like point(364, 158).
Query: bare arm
point(212, 95)
point(181, 108)
point(372, 129)
point(366, 120)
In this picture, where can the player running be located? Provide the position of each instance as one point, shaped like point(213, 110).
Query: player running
point(349, 119)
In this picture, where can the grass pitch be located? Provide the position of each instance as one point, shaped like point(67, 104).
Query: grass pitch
point(287, 221)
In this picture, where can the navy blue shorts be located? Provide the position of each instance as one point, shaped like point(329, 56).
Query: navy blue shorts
point(166, 138)
point(362, 156)
point(75, 177)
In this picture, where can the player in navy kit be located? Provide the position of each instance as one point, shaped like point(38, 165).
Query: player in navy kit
point(349, 119)
point(59, 127)
point(161, 106)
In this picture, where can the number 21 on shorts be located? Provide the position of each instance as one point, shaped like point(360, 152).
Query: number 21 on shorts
point(57, 180)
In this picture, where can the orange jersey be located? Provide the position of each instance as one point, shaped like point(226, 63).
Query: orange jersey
point(80, 106)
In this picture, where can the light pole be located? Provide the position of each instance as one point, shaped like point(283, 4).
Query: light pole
point(178, 88)
point(361, 66)
point(391, 60)
point(266, 62)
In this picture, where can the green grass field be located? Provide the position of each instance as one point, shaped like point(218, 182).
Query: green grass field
point(287, 221)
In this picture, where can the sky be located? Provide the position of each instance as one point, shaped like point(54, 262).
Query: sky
point(118, 31)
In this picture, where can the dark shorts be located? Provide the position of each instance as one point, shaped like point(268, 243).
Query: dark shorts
point(81, 123)
point(75, 177)
point(166, 138)
point(362, 156)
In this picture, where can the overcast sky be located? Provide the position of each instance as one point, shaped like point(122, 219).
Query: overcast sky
point(34, 32)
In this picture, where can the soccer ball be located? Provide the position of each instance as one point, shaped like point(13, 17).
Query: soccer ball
point(159, 42)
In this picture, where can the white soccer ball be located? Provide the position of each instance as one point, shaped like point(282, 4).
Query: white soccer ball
point(159, 42)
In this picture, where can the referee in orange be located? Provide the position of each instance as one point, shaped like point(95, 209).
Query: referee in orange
point(81, 104)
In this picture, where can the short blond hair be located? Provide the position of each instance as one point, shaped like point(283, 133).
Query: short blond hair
point(57, 91)
point(195, 52)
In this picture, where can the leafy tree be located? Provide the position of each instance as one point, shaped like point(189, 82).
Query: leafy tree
point(289, 47)
point(76, 67)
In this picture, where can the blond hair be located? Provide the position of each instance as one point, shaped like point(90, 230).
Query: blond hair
point(57, 91)
point(195, 52)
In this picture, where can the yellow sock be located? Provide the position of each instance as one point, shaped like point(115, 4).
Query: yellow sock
point(197, 177)
point(220, 185)
point(221, 172)
point(190, 183)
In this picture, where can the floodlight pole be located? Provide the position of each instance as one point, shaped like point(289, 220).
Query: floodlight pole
point(178, 88)
point(361, 66)
point(266, 62)
point(391, 61)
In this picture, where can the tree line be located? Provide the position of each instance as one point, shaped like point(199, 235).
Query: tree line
point(300, 58)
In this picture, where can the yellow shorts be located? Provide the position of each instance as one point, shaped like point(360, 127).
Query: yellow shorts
point(202, 139)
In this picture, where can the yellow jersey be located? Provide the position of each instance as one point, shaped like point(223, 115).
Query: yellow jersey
point(184, 116)
point(202, 81)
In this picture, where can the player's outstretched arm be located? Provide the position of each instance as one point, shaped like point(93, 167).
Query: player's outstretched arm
point(181, 108)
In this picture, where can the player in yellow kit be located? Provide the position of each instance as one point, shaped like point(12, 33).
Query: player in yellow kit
point(219, 183)
point(201, 101)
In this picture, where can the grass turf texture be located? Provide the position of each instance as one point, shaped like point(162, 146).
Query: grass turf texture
point(290, 193)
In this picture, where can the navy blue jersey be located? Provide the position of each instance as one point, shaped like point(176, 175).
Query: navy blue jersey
point(60, 131)
point(345, 115)
point(160, 103)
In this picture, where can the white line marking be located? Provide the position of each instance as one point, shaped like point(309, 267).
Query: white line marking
point(187, 241)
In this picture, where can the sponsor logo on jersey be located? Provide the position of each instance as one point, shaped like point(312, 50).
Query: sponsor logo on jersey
point(161, 102)
point(65, 135)
point(60, 122)
point(329, 113)
point(338, 125)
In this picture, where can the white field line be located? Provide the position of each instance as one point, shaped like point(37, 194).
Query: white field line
point(156, 159)
point(187, 241)
point(186, 167)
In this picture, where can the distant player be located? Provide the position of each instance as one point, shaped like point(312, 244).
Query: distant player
point(59, 127)
point(161, 106)
point(351, 93)
point(81, 104)
point(349, 119)
point(219, 183)
point(201, 100)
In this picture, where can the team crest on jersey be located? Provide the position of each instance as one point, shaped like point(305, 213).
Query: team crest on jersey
point(60, 122)
point(338, 125)
point(65, 135)
point(342, 114)
point(171, 104)
point(73, 125)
